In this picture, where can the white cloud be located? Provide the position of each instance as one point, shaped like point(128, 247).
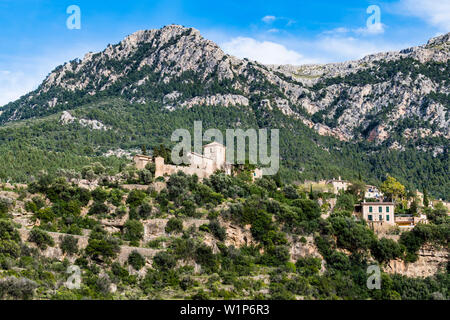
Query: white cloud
point(433, 12)
point(337, 30)
point(371, 29)
point(323, 49)
point(335, 49)
point(266, 52)
point(22, 74)
point(15, 84)
point(269, 19)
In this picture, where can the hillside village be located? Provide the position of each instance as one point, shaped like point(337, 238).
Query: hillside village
point(377, 212)
point(153, 216)
point(77, 194)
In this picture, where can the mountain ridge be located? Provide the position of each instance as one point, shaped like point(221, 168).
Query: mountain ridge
point(190, 70)
point(387, 117)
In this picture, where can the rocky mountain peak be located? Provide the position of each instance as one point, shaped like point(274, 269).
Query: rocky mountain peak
point(442, 39)
point(178, 68)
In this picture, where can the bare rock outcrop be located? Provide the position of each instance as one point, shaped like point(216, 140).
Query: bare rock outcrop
point(430, 262)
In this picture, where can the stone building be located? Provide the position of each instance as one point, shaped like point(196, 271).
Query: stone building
point(409, 221)
point(257, 174)
point(203, 165)
point(378, 212)
point(372, 192)
point(339, 185)
point(140, 161)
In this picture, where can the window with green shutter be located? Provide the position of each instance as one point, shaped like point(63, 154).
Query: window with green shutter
point(387, 217)
point(370, 217)
point(370, 209)
point(387, 209)
point(380, 209)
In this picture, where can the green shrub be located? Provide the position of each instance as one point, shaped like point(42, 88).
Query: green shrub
point(217, 230)
point(115, 197)
point(9, 248)
point(164, 261)
point(30, 206)
point(290, 192)
point(338, 260)
point(98, 208)
point(186, 283)
point(120, 272)
point(120, 211)
point(159, 279)
point(183, 248)
point(46, 215)
point(133, 231)
point(386, 249)
point(136, 260)
point(145, 210)
point(275, 256)
point(188, 208)
point(346, 202)
point(99, 194)
point(83, 195)
point(39, 202)
point(41, 238)
point(174, 225)
point(145, 176)
point(308, 266)
point(352, 235)
point(135, 198)
point(421, 234)
point(102, 246)
point(206, 258)
point(5, 205)
point(151, 167)
point(69, 245)
point(200, 295)
point(156, 243)
point(17, 288)
point(8, 231)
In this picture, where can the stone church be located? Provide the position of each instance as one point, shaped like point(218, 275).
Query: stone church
point(203, 165)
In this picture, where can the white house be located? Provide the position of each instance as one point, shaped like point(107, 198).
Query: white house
point(378, 212)
point(373, 192)
point(339, 185)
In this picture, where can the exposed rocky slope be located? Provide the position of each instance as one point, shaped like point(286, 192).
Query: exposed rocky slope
point(430, 262)
point(403, 94)
point(431, 259)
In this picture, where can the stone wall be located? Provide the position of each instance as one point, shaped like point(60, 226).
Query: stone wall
point(56, 253)
point(162, 169)
point(155, 228)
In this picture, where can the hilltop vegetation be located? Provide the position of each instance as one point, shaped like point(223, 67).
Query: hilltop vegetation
point(47, 144)
point(200, 261)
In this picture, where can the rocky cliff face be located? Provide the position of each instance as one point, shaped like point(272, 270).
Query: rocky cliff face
point(430, 262)
point(402, 94)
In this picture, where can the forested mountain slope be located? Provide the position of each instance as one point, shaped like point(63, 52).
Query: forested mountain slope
point(386, 113)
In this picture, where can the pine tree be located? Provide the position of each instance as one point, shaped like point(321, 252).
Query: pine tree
point(426, 202)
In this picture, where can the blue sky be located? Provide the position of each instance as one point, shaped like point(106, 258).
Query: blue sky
point(34, 38)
